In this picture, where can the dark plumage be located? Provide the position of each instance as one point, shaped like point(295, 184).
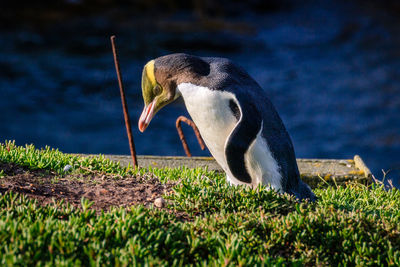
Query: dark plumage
point(251, 108)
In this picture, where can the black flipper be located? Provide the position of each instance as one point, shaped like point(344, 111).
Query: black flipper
point(241, 138)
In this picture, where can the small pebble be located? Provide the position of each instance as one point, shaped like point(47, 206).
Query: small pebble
point(67, 167)
point(159, 202)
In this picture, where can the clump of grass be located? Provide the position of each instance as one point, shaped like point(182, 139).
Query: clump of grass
point(52, 159)
point(353, 225)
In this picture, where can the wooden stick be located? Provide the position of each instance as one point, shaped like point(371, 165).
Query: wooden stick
point(124, 104)
point(182, 136)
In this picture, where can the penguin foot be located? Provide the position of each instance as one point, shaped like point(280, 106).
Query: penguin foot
point(304, 192)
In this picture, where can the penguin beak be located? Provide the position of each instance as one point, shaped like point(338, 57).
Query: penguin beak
point(147, 115)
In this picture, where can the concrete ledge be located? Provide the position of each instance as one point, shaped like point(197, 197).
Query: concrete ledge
point(314, 172)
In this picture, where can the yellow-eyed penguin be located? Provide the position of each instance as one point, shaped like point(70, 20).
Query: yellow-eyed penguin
point(237, 121)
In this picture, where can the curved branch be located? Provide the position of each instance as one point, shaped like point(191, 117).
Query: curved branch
point(182, 136)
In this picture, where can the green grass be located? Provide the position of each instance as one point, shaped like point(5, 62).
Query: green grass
point(354, 225)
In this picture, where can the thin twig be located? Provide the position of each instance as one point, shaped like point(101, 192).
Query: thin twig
point(124, 104)
point(182, 136)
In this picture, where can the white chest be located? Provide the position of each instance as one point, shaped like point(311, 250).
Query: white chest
point(211, 113)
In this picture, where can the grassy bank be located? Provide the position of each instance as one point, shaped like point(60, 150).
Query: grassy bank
point(223, 225)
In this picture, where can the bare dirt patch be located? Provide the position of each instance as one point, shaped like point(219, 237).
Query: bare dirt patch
point(104, 190)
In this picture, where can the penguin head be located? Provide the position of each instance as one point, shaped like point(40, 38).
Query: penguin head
point(160, 78)
point(157, 90)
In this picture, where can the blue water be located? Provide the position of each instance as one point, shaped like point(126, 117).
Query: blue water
point(331, 69)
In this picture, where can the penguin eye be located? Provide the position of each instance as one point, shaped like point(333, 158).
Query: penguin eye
point(157, 89)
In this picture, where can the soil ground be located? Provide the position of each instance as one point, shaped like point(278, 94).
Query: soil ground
point(104, 190)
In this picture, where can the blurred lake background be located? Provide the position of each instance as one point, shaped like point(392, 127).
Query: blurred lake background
point(331, 68)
